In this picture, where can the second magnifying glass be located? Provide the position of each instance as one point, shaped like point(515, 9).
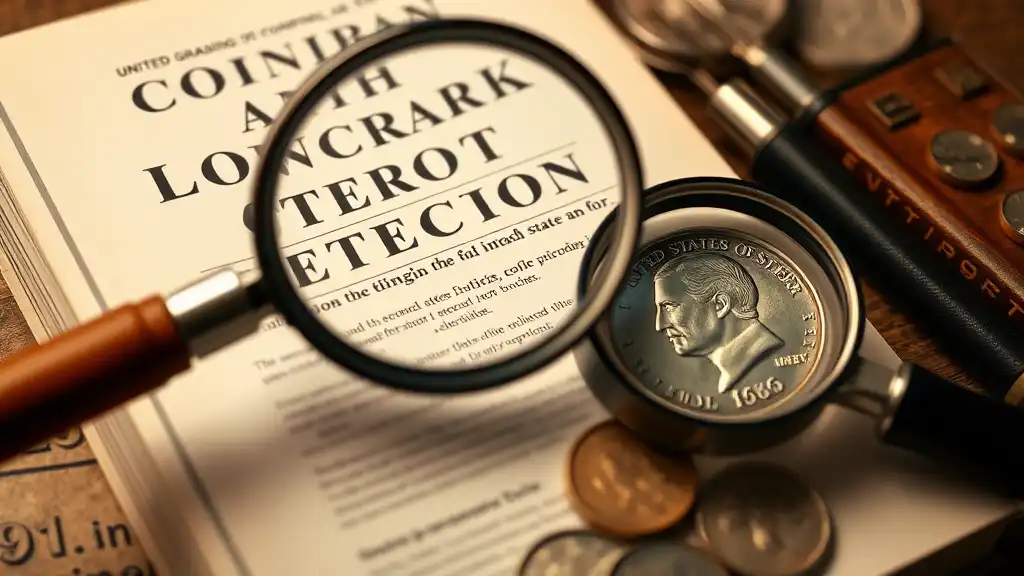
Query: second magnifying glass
point(741, 320)
point(420, 216)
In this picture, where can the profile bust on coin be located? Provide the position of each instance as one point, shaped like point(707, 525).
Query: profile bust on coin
point(707, 307)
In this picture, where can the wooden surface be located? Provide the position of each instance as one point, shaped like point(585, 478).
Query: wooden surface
point(35, 490)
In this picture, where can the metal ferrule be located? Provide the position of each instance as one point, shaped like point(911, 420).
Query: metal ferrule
point(868, 390)
point(215, 311)
point(746, 117)
point(897, 387)
point(781, 76)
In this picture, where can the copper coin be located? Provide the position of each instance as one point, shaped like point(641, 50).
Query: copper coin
point(620, 485)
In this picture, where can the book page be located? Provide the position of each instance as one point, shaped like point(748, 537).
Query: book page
point(281, 462)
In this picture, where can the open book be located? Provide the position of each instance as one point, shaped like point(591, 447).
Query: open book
point(263, 461)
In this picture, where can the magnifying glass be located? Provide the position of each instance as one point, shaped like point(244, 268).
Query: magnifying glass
point(741, 319)
point(433, 248)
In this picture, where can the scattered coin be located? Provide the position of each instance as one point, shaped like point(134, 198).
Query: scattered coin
point(620, 485)
point(761, 519)
point(667, 559)
point(673, 36)
point(854, 33)
point(572, 553)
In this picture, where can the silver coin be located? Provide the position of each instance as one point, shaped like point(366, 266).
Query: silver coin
point(854, 33)
point(572, 553)
point(667, 559)
point(718, 323)
point(963, 158)
point(761, 519)
point(674, 34)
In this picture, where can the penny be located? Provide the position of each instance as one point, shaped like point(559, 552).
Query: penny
point(963, 158)
point(718, 324)
point(571, 553)
point(620, 485)
point(667, 559)
point(854, 33)
point(674, 36)
point(761, 519)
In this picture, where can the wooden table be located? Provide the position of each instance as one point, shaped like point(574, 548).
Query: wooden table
point(990, 28)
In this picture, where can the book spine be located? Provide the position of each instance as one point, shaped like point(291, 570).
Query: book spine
point(931, 219)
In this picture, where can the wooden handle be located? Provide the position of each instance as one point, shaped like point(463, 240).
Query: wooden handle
point(93, 368)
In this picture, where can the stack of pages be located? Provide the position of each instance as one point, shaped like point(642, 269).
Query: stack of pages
point(263, 461)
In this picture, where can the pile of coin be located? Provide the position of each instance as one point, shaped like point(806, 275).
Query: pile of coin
point(751, 518)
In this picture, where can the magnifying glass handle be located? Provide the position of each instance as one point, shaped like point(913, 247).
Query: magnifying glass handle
point(78, 375)
point(932, 416)
point(50, 387)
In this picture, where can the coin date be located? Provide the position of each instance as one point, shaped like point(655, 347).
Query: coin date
point(747, 396)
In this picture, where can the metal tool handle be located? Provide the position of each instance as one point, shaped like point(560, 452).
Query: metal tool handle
point(933, 416)
point(796, 169)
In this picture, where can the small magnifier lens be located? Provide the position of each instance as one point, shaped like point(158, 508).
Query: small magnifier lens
point(435, 201)
point(738, 311)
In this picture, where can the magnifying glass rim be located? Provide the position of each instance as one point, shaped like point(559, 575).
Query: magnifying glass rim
point(396, 40)
point(665, 191)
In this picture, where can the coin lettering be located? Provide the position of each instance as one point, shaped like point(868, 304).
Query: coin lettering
point(721, 324)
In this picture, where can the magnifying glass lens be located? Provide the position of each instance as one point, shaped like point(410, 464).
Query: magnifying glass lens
point(435, 202)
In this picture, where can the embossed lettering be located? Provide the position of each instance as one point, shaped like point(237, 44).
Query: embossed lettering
point(792, 359)
point(750, 395)
point(1014, 308)
point(911, 215)
point(947, 249)
point(850, 161)
point(989, 288)
point(890, 196)
point(968, 269)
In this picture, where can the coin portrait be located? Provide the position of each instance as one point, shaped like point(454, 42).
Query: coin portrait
point(707, 307)
point(571, 553)
point(718, 322)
